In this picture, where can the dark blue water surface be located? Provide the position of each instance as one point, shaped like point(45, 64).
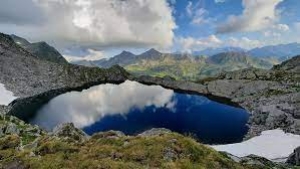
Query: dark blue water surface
point(210, 122)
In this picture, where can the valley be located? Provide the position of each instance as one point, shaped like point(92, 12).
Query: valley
point(183, 66)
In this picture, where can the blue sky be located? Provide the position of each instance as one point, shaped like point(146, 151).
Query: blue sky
point(102, 28)
point(283, 28)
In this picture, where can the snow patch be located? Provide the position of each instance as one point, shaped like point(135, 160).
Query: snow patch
point(272, 144)
point(6, 96)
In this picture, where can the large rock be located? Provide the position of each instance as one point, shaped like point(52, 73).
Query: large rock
point(294, 158)
point(155, 132)
point(68, 130)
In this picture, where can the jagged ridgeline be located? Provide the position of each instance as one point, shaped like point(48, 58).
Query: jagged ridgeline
point(30, 75)
point(183, 66)
point(26, 74)
point(40, 49)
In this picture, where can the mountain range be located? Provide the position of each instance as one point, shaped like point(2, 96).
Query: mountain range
point(195, 66)
point(199, 64)
point(182, 66)
point(281, 51)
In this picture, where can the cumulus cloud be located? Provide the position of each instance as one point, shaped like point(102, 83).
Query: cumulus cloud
point(190, 44)
point(86, 107)
point(102, 23)
point(282, 27)
point(276, 31)
point(220, 1)
point(91, 56)
point(243, 42)
point(257, 15)
point(197, 13)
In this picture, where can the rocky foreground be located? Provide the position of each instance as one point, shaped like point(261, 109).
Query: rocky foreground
point(272, 97)
point(24, 146)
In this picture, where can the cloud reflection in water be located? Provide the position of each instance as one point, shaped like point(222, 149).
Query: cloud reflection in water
point(86, 107)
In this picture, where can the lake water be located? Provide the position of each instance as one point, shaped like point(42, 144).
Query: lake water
point(132, 108)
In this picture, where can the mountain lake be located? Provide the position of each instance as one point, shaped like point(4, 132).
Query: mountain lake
point(132, 108)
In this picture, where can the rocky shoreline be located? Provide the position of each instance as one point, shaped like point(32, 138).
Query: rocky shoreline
point(271, 97)
point(271, 102)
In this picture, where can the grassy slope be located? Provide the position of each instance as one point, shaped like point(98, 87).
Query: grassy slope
point(187, 69)
point(107, 150)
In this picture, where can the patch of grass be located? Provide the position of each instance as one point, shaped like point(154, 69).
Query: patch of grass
point(107, 150)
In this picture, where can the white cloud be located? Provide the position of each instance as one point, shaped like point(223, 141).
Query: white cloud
point(197, 13)
point(91, 56)
point(282, 27)
point(257, 15)
point(276, 31)
point(243, 42)
point(190, 44)
point(86, 107)
point(220, 1)
point(271, 34)
point(102, 23)
point(189, 9)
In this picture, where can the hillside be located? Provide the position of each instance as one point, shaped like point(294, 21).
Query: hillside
point(281, 51)
point(26, 74)
point(40, 49)
point(185, 66)
point(28, 146)
point(290, 65)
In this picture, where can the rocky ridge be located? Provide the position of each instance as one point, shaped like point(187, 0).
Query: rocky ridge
point(26, 75)
point(40, 49)
point(271, 97)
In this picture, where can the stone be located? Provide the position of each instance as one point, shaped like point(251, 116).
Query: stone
point(68, 130)
point(169, 154)
point(12, 128)
point(155, 132)
point(294, 158)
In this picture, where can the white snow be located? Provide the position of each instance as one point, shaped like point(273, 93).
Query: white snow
point(5, 96)
point(274, 145)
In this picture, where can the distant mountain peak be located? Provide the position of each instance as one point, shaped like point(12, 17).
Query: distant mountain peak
point(278, 51)
point(152, 50)
point(214, 51)
point(127, 53)
point(41, 50)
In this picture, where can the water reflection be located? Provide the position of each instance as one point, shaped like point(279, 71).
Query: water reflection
point(86, 107)
point(132, 108)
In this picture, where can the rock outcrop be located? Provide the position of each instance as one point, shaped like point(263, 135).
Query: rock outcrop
point(272, 97)
point(41, 50)
point(294, 158)
point(27, 75)
point(69, 131)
